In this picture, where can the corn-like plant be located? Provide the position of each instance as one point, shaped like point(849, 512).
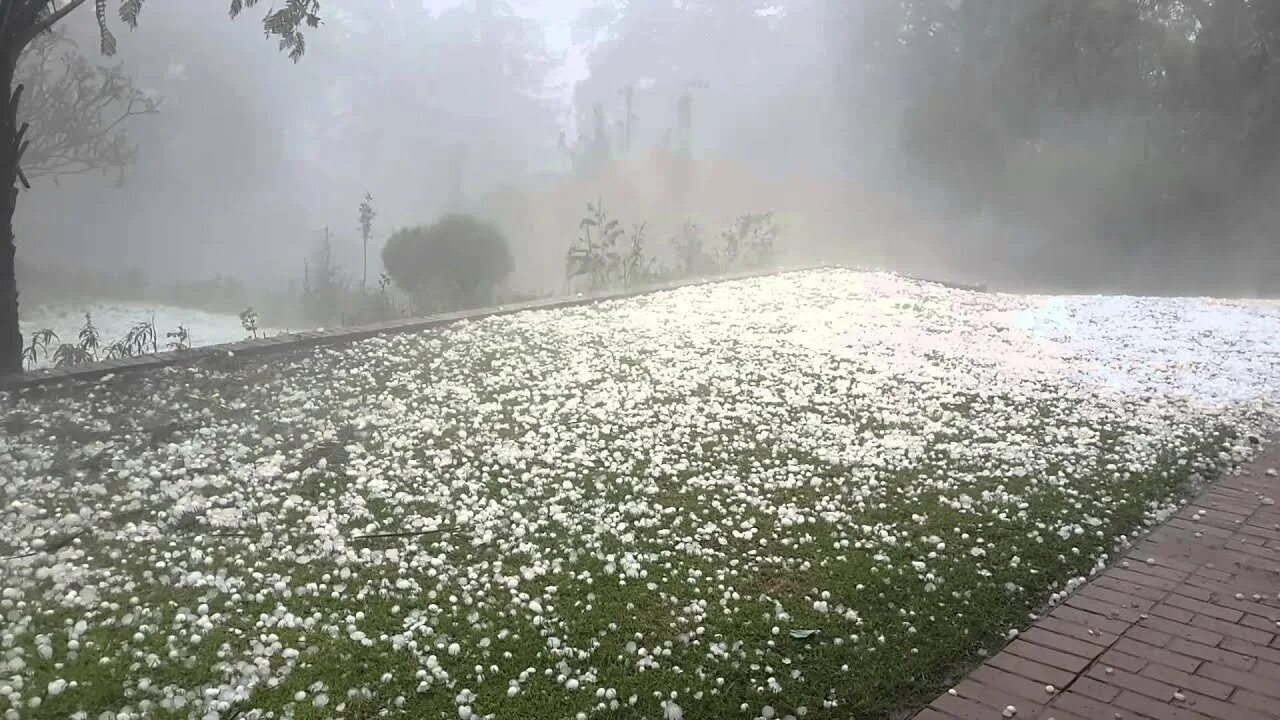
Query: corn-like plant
point(68, 355)
point(179, 340)
point(367, 214)
point(118, 349)
point(249, 321)
point(39, 344)
point(89, 339)
point(637, 267)
point(595, 255)
point(141, 338)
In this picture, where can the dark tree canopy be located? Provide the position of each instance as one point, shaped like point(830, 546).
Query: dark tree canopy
point(284, 23)
point(457, 262)
point(1146, 130)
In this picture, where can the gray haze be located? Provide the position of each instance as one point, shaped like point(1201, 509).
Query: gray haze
point(252, 155)
point(799, 107)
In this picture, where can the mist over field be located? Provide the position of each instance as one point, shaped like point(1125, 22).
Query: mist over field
point(1096, 146)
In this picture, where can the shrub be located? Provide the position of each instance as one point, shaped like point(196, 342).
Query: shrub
point(749, 242)
point(456, 263)
point(691, 254)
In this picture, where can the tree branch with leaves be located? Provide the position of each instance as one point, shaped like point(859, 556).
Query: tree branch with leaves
point(77, 109)
point(22, 22)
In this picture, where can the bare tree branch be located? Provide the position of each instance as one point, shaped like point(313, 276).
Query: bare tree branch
point(45, 23)
point(77, 109)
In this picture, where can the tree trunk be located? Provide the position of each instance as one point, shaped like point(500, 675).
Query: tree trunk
point(10, 334)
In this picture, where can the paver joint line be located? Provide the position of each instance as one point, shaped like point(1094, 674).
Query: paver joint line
point(1131, 667)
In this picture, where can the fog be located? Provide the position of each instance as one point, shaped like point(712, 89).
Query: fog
point(876, 133)
point(251, 156)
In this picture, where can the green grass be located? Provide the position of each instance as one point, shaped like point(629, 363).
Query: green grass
point(676, 487)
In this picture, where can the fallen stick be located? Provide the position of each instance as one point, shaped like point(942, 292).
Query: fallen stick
point(397, 535)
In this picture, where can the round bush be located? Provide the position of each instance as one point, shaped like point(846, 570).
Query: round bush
point(455, 263)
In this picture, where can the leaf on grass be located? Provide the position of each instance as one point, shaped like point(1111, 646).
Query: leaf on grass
point(803, 634)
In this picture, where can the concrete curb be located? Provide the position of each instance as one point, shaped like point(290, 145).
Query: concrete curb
point(315, 338)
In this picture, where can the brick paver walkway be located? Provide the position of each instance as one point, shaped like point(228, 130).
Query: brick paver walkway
point(1186, 627)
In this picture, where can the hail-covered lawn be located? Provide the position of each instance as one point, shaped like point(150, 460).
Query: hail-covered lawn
point(816, 495)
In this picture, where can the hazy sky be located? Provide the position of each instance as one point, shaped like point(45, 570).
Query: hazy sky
point(252, 157)
point(264, 108)
point(557, 17)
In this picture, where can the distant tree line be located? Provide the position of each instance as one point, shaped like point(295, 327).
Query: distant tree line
point(1126, 125)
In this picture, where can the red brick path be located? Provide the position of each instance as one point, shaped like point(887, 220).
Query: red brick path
point(1187, 627)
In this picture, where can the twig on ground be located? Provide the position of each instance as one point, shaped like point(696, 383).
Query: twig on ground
point(375, 536)
point(52, 547)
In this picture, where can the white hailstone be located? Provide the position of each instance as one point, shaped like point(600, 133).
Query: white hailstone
point(1009, 711)
point(672, 711)
point(56, 687)
point(454, 648)
point(767, 712)
point(300, 696)
point(320, 700)
point(464, 712)
point(513, 690)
